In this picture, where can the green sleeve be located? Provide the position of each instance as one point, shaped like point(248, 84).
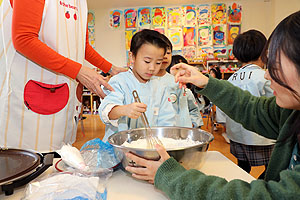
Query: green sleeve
point(180, 184)
point(258, 114)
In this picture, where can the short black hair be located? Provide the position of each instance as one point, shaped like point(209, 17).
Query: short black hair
point(166, 39)
point(147, 36)
point(217, 72)
point(175, 60)
point(249, 45)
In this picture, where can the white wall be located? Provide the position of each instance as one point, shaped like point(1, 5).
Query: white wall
point(262, 15)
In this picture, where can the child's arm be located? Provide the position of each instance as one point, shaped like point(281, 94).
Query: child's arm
point(133, 110)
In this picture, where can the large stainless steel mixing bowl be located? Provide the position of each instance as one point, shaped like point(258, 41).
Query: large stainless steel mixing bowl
point(189, 157)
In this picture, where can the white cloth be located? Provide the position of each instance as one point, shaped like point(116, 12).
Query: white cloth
point(184, 103)
point(159, 110)
point(250, 78)
point(20, 126)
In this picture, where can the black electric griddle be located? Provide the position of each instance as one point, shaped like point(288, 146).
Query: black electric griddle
point(19, 167)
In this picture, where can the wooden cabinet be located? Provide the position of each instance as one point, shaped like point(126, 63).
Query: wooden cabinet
point(90, 102)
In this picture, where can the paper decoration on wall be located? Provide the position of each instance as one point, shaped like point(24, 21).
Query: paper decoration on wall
point(189, 52)
point(220, 52)
point(144, 17)
point(130, 16)
point(229, 52)
point(158, 17)
point(204, 36)
point(128, 36)
point(189, 36)
point(175, 36)
point(203, 13)
point(115, 18)
point(206, 52)
point(160, 30)
point(190, 15)
point(218, 13)
point(219, 35)
point(91, 28)
point(175, 15)
point(235, 13)
point(233, 31)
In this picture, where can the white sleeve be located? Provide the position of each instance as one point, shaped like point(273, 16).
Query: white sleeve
point(104, 115)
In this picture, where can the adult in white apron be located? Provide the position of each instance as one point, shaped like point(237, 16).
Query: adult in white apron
point(39, 107)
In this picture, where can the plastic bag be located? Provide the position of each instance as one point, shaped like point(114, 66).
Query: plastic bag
point(71, 186)
point(71, 156)
point(96, 153)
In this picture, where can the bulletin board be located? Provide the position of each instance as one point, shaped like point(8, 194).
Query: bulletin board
point(198, 32)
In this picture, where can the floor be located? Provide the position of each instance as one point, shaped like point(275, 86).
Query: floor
point(93, 127)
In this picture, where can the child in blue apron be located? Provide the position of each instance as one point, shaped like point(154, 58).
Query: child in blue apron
point(118, 110)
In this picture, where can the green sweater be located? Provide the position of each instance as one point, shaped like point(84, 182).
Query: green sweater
point(259, 114)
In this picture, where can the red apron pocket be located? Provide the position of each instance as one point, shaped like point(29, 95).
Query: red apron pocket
point(45, 99)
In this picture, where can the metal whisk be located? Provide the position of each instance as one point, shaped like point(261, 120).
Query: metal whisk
point(150, 138)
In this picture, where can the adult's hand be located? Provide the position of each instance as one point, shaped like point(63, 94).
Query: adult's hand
point(92, 81)
point(115, 70)
point(150, 167)
point(185, 73)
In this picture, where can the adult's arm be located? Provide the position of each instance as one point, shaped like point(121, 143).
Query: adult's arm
point(26, 23)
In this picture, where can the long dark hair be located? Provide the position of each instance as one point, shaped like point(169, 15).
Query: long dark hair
point(285, 39)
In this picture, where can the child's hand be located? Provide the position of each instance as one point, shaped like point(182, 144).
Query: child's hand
point(185, 73)
point(135, 110)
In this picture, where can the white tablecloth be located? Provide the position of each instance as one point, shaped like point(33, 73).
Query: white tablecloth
point(122, 186)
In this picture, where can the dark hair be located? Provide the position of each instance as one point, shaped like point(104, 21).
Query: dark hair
point(166, 39)
point(285, 39)
point(217, 72)
point(147, 36)
point(175, 60)
point(249, 45)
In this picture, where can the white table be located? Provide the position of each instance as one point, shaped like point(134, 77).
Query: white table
point(122, 186)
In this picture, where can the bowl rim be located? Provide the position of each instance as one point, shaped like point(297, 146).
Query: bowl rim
point(211, 138)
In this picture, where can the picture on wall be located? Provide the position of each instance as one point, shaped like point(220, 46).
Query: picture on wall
point(158, 17)
point(115, 18)
point(130, 16)
point(235, 13)
point(203, 12)
point(144, 17)
point(190, 16)
point(233, 31)
point(175, 16)
point(189, 52)
point(205, 36)
point(189, 36)
point(218, 13)
point(175, 36)
point(219, 35)
point(128, 36)
point(91, 28)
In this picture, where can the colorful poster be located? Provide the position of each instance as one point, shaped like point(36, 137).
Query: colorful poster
point(219, 35)
point(218, 13)
point(189, 36)
point(189, 52)
point(233, 31)
point(204, 36)
point(203, 12)
point(158, 17)
point(130, 18)
point(115, 18)
point(206, 53)
point(229, 52)
point(190, 15)
point(128, 35)
point(91, 28)
point(160, 30)
point(175, 36)
point(220, 52)
point(235, 13)
point(174, 17)
point(144, 17)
